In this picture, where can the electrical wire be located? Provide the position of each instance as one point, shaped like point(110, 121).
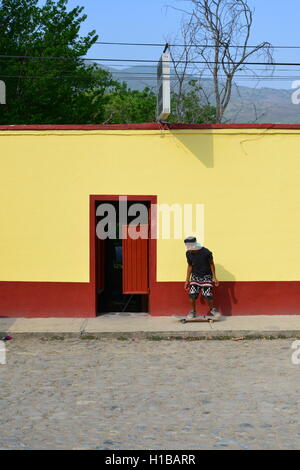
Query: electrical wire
point(186, 45)
point(135, 78)
point(275, 64)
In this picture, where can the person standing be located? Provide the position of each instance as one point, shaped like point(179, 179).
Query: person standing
point(201, 275)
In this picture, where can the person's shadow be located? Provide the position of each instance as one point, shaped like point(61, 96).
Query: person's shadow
point(224, 294)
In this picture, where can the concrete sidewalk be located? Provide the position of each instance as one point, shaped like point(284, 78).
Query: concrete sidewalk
point(144, 326)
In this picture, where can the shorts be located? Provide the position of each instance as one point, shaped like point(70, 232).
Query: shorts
point(203, 284)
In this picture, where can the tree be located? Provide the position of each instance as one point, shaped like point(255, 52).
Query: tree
point(133, 106)
point(129, 106)
point(190, 101)
point(192, 109)
point(42, 90)
point(219, 33)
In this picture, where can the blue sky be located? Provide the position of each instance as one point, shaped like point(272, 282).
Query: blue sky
point(276, 21)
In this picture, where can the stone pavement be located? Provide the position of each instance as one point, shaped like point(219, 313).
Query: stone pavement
point(141, 325)
point(136, 394)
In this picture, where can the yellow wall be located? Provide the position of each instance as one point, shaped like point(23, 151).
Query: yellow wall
point(248, 181)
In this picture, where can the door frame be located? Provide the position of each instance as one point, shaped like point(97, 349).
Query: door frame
point(152, 241)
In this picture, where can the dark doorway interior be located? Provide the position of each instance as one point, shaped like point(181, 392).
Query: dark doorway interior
point(111, 298)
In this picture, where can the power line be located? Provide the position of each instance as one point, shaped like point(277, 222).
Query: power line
point(201, 74)
point(187, 45)
point(196, 73)
point(125, 71)
point(123, 75)
point(135, 78)
point(206, 77)
point(294, 64)
point(237, 78)
point(127, 67)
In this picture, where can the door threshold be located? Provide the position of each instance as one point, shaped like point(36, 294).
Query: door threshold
point(124, 314)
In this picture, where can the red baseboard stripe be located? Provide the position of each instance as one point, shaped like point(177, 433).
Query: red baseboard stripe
point(55, 299)
point(46, 299)
point(232, 298)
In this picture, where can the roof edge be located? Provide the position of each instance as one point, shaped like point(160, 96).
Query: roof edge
point(144, 126)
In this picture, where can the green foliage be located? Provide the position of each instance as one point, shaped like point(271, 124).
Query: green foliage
point(130, 106)
point(48, 91)
point(188, 107)
point(70, 90)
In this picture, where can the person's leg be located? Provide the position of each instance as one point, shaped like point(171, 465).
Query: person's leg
point(208, 295)
point(193, 304)
point(212, 309)
point(193, 295)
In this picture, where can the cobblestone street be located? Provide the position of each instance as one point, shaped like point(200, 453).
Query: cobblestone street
point(113, 394)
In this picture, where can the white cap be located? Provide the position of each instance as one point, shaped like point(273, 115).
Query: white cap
point(192, 244)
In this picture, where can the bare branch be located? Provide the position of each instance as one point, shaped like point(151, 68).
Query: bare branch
point(223, 24)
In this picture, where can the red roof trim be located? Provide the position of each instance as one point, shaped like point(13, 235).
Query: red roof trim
point(145, 126)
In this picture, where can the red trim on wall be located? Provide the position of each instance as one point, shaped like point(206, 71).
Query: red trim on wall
point(144, 126)
point(46, 299)
point(232, 298)
point(61, 299)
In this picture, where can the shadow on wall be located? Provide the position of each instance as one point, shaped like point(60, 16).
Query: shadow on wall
point(225, 293)
point(200, 145)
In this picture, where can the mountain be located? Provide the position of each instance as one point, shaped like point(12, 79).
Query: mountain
point(262, 105)
point(247, 104)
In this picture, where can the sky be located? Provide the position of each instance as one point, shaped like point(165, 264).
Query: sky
point(155, 21)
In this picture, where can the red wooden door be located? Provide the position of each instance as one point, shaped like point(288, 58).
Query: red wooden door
point(135, 263)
